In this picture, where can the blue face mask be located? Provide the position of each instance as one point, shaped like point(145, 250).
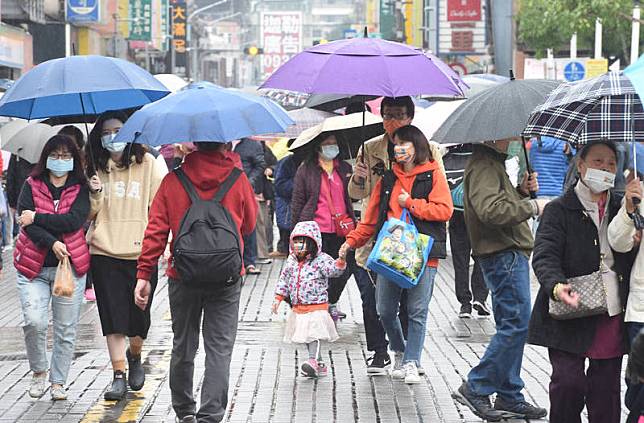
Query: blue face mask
point(59, 167)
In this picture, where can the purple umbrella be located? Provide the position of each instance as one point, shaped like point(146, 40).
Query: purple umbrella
point(366, 66)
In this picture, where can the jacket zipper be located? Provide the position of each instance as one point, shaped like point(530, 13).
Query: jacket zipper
point(297, 283)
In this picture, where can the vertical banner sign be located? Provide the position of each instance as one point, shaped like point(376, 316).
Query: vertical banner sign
point(463, 10)
point(141, 20)
point(178, 32)
point(165, 23)
point(281, 39)
point(388, 19)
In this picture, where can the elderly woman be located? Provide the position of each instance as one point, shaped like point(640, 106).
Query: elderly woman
point(572, 241)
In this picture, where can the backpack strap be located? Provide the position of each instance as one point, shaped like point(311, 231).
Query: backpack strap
point(187, 185)
point(227, 184)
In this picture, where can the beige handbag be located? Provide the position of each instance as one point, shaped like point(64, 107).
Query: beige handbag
point(592, 298)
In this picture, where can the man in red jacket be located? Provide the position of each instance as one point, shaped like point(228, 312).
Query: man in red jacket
point(206, 168)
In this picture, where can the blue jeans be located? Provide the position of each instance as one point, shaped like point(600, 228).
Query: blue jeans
point(507, 275)
point(34, 297)
point(250, 249)
point(388, 303)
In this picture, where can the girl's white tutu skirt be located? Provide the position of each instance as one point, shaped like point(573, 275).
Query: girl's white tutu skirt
point(302, 328)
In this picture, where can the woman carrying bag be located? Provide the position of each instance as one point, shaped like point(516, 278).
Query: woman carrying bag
point(430, 206)
point(53, 206)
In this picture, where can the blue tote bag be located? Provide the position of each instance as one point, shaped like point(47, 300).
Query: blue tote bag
point(401, 252)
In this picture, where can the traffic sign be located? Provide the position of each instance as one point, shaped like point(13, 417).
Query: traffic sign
point(82, 11)
point(574, 71)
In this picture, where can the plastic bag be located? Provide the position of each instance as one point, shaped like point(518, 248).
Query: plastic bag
point(64, 282)
point(401, 252)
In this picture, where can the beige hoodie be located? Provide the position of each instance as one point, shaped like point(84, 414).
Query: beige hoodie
point(119, 212)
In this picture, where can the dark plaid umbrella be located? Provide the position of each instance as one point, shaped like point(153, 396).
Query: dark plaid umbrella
point(605, 107)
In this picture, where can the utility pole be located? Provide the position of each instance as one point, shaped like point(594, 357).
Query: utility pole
point(573, 46)
point(193, 51)
point(598, 38)
point(635, 35)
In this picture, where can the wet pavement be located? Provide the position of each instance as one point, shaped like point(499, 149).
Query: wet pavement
point(264, 386)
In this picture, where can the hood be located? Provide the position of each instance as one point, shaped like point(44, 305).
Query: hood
point(309, 229)
point(425, 167)
point(208, 169)
point(548, 145)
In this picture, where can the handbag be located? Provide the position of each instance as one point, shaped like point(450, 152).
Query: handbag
point(592, 298)
point(64, 285)
point(401, 252)
point(343, 223)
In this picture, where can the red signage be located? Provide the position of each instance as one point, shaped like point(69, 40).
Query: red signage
point(281, 39)
point(463, 10)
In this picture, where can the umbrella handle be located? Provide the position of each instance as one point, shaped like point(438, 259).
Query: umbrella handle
point(533, 194)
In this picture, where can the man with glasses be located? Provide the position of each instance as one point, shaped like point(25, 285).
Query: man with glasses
point(373, 159)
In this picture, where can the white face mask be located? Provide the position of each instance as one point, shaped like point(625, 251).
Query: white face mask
point(330, 152)
point(599, 181)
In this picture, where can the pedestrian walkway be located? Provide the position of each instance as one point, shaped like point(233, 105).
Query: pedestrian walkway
point(264, 386)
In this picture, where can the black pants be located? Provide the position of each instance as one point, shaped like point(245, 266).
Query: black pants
point(283, 243)
point(461, 249)
point(331, 244)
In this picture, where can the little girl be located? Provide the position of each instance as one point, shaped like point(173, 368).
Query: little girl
point(304, 280)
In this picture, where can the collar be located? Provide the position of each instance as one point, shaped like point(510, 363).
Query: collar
point(490, 151)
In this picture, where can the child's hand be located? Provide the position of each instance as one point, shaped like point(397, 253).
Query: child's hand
point(344, 250)
point(341, 263)
point(275, 306)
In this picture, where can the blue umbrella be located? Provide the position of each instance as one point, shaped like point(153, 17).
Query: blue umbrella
point(78, 86)
point(204, 114)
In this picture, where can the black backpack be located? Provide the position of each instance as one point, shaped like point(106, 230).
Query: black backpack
point(207, 250)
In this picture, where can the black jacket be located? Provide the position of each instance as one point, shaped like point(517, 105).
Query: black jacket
point(17, 173)
point(567, 245)
point(265, 186)
point(251, 154)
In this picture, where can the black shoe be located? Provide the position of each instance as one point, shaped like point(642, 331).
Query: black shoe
point(378, 363)
point(519, 410)
point(135, 372)
point(119, 387)
point(190, 418)
point(466, 311)
point(342, 315)
point(480, 405)
point(481, 309)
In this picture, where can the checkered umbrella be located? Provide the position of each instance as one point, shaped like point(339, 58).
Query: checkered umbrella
point(605, 107)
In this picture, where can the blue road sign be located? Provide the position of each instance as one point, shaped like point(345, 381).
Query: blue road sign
point(574, 71)
point(82, 11)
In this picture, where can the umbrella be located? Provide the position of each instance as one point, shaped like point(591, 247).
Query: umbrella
point(476, 84)
point(304, 119)
point(204, 114)
point(347, 127)
point(430, 119)
point(80, 85)
point(171, 81)
point(332, 102)
point(29, 141)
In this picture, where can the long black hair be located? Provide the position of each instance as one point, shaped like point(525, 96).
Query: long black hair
point(100, 156)
point(60, 142)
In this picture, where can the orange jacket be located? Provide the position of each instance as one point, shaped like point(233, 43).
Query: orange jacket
point(437, 207)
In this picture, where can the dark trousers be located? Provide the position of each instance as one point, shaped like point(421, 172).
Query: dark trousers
point(634, 398)
point(219, 310)
point(459, 242)
point(270, 241)
point(331, 244)
point(284, 242)
point(250, 249)
point(571, 388)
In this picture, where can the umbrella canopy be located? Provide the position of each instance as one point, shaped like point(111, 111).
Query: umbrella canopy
point(497, 113)
point(171, 81)
point(304, 119)
point(430, 119)
point(603, 107)
point(347, 127)
point(204, 114)
point(80, 85)
point(366, 66)
point(332, 102)
point(29, 141)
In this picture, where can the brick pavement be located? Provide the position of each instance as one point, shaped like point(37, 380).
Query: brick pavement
point(264, 386)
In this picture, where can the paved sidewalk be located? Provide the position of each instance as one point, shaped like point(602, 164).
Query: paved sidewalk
point(264, 386)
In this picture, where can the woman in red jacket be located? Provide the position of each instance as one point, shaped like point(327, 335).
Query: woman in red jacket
point(430, 205)
point(53, 206)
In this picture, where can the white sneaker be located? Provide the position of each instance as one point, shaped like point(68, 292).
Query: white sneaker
point(58, 393)
point(38, 386)
point(411, 373)
point(398, 372)
point(421, 370)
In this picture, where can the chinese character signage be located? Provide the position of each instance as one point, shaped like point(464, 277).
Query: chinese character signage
point(281, 39)
point(141, 20)
point(463, 10)
point(178, 20)
point(165, 23)
point(82, 11)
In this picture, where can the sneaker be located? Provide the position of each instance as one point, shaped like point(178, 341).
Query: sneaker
point(309, 368)
point(263, 261)
point(411, 373)
point(519, 410)
point(481, 309)
point(341, 315)
point(323, 370)
point(398, 372)
point(38, 385)
point(90, 295)
point(190, 418)
point(119, 387)
point(466, 312)
point(480, 405)
point(377, 364)
point(58, 393)
point(135, 373)
point(421, 370)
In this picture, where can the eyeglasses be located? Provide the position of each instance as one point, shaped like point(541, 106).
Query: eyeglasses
point(394, 116)
point(64, 156)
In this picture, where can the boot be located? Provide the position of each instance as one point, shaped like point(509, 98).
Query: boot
point(136, 373)
point(119, 387)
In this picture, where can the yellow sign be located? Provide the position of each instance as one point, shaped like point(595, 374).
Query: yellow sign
point(596, 67)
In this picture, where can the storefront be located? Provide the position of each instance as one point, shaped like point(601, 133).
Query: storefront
point(16, 52)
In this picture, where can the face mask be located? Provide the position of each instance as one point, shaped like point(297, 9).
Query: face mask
point(330, 152)
point(599, 181)
point(60, 168)
point(112, 147)
point(391, 125)
point(300, 248)
point(403, 154)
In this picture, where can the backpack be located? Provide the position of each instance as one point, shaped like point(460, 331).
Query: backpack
point(206, 250)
